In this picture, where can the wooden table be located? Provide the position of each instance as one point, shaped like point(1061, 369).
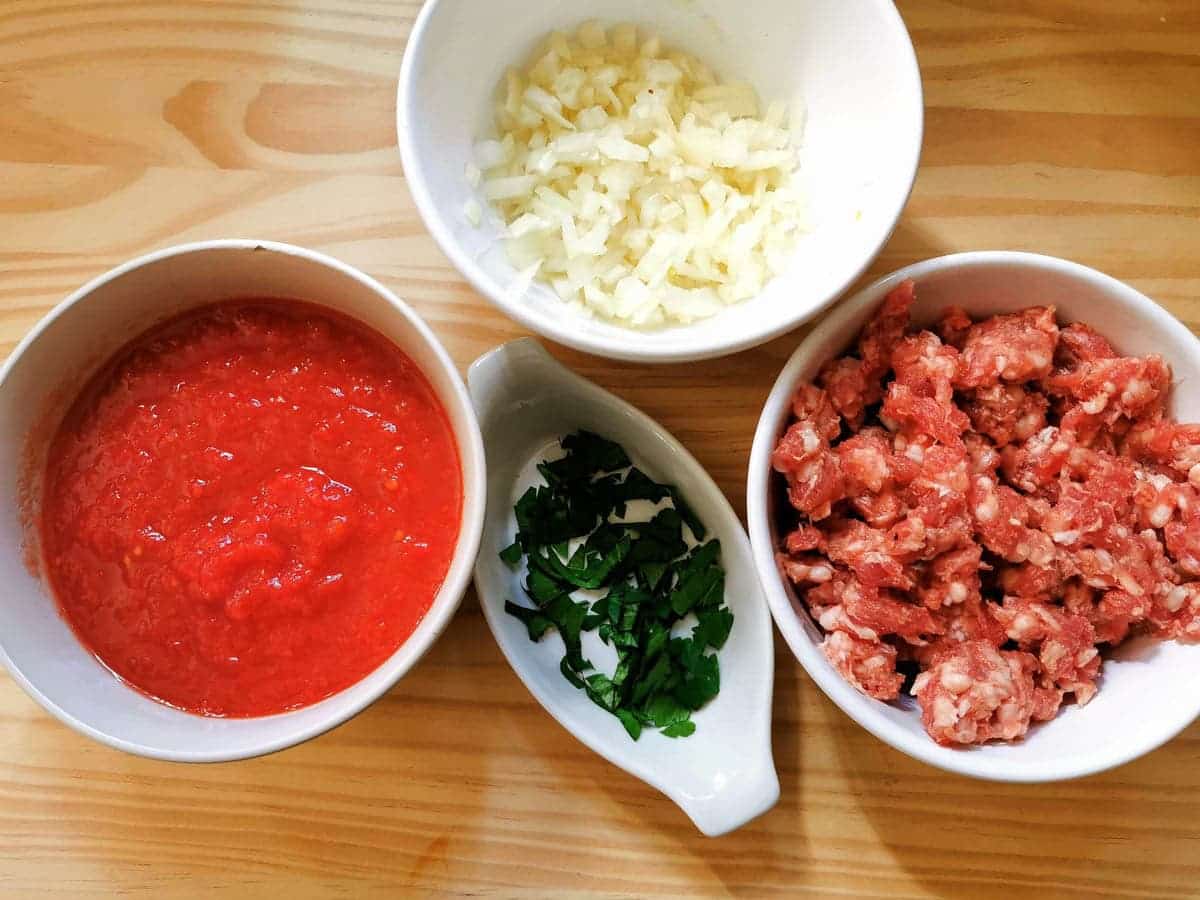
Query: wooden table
point(1066, 126)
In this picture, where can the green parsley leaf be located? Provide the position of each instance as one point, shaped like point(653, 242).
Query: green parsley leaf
point(542, 588)
point(537, 623)
point(656, 640)
point(654, 680)
point(680, 729)
point(701, 683)
point(631, 723)
point(699, 532)
point(603, 691)
point(713, 627)
point(660, 540)
point(586, 568)
point(646, 578)
point(569, 674)
point(650, 574)
point(636, 486)
point(665, 710)
point(594, 453)
point(568, 616)
point(701, 582)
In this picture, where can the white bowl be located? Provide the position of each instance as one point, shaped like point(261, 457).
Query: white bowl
point(723, 775)
point(848, 64)
point(43, 376)
point(1150, 691)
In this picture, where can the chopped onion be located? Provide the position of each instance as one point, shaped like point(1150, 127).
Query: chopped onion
point(634, 183)
point(473, 212)
point(509, 188)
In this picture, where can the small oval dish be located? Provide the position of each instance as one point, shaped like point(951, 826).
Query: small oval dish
point(1148, 688)
point(723, 775)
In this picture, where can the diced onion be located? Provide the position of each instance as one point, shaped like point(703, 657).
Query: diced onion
point(511, 187)
point(634, 183)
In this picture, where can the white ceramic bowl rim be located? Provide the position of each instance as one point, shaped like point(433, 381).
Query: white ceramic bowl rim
point(847, 698)
point(408, 107)
point(458, 575)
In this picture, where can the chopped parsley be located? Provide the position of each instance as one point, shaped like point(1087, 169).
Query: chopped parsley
point(648, 576)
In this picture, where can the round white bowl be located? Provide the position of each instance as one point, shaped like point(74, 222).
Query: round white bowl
point(1149, 691)
point(42, 377)
point(848, 64)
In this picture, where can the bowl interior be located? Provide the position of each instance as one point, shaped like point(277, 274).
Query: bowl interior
point(42, 379)
point(1148, 690)
point(846, 66)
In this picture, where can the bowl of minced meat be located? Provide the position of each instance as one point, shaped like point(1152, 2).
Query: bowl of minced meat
point(975, 499)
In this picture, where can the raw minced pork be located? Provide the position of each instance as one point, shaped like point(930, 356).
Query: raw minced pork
point(988, 506)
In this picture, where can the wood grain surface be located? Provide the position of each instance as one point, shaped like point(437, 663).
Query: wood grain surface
point(1065, 126)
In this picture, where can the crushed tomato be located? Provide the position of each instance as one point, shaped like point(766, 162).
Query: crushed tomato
point(251, 507)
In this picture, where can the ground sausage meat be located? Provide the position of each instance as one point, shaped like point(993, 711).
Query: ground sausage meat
point(980, 511)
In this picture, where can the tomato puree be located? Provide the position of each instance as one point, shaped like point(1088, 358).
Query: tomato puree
point(251, 507)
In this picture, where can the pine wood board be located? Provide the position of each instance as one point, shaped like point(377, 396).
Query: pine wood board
point(1069, 127)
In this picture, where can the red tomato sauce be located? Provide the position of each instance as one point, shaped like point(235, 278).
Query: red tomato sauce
point(251, 507)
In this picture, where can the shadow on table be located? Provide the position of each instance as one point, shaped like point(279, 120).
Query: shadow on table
point(396, 796)
point(1132, 830)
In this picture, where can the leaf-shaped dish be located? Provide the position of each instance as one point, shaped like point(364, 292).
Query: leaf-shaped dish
point(724, 774)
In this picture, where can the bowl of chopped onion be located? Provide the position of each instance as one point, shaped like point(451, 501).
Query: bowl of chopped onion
point(667, 181)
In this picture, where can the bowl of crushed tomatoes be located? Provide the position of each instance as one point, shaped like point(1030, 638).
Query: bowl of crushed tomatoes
point(973, 503)
point(242, 492)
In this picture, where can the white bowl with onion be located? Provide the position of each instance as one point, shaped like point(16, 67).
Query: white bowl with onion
point(839, 76)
